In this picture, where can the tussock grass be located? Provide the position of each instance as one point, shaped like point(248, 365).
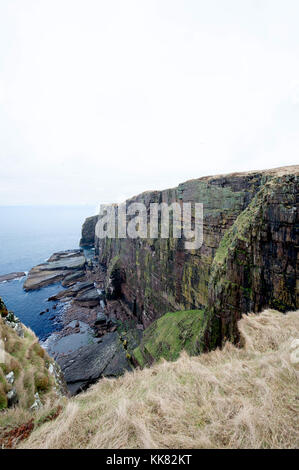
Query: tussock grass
point(29, 362)
point(233, 398)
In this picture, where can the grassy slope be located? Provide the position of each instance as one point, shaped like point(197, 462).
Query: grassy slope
point(239, 398)
point(30, 364)
point(169, 335)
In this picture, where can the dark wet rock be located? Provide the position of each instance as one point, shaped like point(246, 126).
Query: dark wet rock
point(113, 321)
point(82, 286)
point(101, 319)
point(12, 276)
point(89, 298)
point(42, 313)
point(73, 291)
point(102, 359)
point(60, 295)
point(12, 398)
point(88, 231)
point(78, 334)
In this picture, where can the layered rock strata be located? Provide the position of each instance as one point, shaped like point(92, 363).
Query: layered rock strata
point(60, 266)
point(248, 260)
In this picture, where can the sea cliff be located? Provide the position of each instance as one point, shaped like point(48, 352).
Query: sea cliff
point(248, 260)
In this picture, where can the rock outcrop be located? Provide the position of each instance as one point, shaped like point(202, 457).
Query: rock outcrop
point(248, 260)
point(88, 231)
point(60, 266)
point(106, 358)
point(12, 276)
point(256, 264)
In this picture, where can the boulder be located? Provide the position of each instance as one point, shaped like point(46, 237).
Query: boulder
point(10, 378)
point(12, 398)
point(101, 319)
point(89, 298)
point(37, 403)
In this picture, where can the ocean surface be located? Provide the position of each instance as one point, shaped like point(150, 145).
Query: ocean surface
point(28, 236)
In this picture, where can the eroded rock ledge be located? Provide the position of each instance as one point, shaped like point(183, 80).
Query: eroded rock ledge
point(58, 267)
point(12, 276)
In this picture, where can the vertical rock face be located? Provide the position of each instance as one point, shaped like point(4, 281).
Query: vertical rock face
point(88, 231)
point(247, 260)
point(256, 264)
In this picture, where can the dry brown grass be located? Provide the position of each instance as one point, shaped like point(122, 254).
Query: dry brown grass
point(29, 362)
point(234, 398)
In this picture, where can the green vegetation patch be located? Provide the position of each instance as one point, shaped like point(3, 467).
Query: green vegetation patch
point(171, 334)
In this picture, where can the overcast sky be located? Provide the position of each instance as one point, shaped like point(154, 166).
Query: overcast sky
point(100, 100)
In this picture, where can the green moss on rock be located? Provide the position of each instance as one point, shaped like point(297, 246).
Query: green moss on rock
point(171, 334)
point(255, 264)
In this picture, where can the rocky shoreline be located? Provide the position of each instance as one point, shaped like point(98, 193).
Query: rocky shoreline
point(248, 262)
point(97, 334)
point(12, 276)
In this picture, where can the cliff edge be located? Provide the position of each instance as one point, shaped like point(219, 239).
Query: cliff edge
point(248, 260)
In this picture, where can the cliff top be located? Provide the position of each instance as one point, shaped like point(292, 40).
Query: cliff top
point(280, 171)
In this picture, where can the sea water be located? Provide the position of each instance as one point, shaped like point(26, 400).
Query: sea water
point(28, 236)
